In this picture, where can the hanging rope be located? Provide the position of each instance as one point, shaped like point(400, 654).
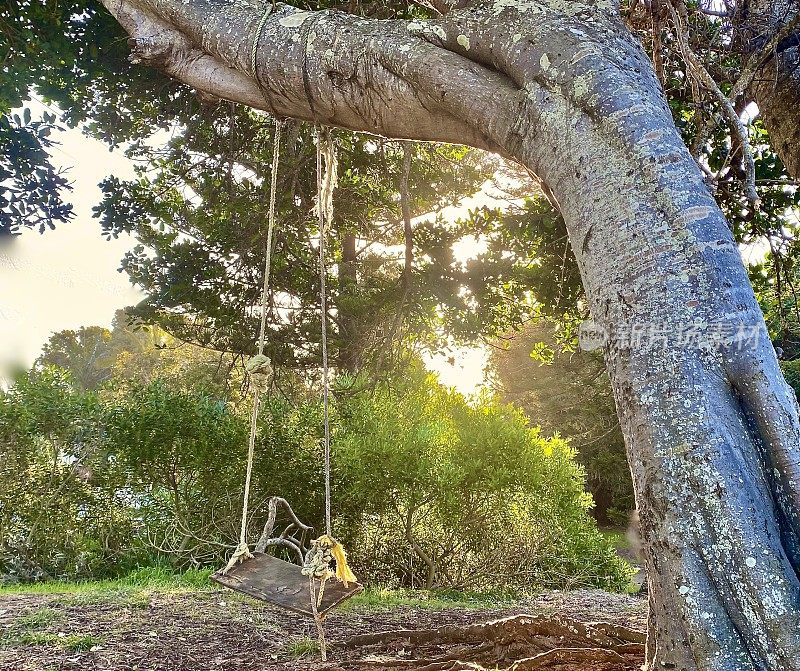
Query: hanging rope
point(254, 57)
point(325, 185)
point(325, 550)
point(319, 620)
point(259, 367)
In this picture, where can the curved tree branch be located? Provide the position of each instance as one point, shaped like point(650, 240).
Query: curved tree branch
point(331, 67)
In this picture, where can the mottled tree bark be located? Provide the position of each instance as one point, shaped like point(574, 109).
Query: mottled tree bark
point(563, 88)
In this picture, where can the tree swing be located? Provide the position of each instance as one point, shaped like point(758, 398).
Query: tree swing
point(301, 587)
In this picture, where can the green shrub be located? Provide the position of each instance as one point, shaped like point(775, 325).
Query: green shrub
point(98, 484)
point(791, 371)
point(182, 454)
point(63, 511)
point(429, 490)
point(439, 492)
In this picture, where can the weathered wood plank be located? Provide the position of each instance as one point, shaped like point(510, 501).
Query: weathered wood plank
point(280, 583)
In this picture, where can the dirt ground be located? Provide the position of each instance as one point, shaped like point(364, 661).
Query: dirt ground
point(195, 631)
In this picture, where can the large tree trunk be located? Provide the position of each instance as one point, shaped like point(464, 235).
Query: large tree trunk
point(711, 428)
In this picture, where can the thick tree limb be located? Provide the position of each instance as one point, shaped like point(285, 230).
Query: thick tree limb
point(338, 69)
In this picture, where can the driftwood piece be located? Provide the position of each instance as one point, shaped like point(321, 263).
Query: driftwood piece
point(295, 536)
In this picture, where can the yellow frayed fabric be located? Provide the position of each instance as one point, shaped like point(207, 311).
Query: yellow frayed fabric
point(343, 572)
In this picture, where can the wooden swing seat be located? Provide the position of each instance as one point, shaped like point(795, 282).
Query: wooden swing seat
point(282, 584)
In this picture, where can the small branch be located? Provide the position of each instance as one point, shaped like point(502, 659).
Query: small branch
point(737, 128)
point(715, 12)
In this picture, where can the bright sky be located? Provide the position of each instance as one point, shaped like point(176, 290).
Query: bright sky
point(68, 278)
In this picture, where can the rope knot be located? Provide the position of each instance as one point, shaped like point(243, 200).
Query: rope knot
point(241, 553)
point(321, 557)
point(259, 369)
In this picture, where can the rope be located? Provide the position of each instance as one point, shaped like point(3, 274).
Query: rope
point(325, 186)
point(319, 620)
point(324, 552)
point(305, 38)
point(257, 39)
point(254, 53)
point(326, 549)
point(273, 188)
point(259, 367)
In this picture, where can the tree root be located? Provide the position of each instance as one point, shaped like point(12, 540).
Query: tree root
point(545, 659)
point(516, 643)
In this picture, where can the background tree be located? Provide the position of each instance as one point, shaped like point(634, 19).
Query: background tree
point(85, 353)
point(134, 352)
point(34, 49)
point(200, 215)
point(567, 392)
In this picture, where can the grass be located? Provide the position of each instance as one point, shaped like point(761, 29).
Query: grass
point(139, 599)
point(79, 642)
point(27, 630)
point(40, 618)
point(133, 590)
point(301, 647)
point(154, 578)
point(136, 587)
point(71, 642)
